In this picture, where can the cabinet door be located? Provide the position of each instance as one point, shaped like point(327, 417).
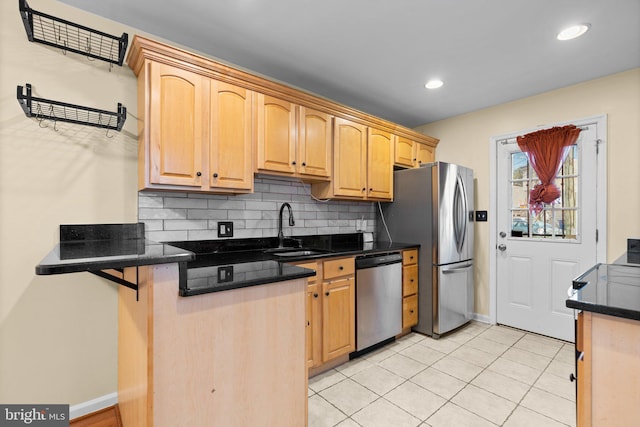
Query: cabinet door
point(380, 165)
point(349, 158)
point(314, 143)
point(404, 152)
point(276, 121)
point(424, 154)
point(338, 318)
point(230, 143)
point(177, 122)
point(314, 326)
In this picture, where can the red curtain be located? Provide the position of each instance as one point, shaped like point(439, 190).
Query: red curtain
point(545, 149)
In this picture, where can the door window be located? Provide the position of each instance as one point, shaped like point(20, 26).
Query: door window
point(557, 221)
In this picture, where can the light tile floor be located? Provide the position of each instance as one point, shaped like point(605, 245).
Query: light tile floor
point(480, 375)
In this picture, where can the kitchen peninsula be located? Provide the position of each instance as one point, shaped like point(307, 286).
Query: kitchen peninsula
point(608, 343)
point(235, 357)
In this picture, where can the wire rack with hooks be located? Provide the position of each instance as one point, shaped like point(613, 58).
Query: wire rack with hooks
point(66, 35)
point(56, 111)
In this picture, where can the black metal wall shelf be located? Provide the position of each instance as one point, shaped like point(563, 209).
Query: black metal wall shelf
point(46, 109)
point(66, 35)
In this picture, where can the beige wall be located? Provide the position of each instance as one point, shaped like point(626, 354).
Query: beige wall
point(465, 140)
point(58, 334)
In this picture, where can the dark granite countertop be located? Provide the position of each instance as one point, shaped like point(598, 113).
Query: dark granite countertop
point(612, 289)
point(94, 247)
point(92, 256)
point(234, 263)
point(210, 265)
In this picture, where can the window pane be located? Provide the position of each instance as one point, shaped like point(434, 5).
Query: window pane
point(570, 164)
point(519, 165)
point(569, 224)
point(569, 192)
point(519, 224)
point(520, 194)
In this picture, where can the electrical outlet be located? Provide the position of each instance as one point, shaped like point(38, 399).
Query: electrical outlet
point(363, 225)
point(359, 225)
point(225, 229)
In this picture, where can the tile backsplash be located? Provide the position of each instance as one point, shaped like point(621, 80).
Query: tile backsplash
point(191, 216)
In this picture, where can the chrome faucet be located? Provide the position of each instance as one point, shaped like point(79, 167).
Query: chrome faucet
point(291, 223)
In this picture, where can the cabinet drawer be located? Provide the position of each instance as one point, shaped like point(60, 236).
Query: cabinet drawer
point(409, 257)
point(409, 311)
point(409, 280)
point(338, 267)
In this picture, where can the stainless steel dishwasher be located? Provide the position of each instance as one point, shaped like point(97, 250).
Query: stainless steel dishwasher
point(378, 298)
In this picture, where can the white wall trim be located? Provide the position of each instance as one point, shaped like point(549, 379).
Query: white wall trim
point(482, 318)
point(601, 198)
point(93, 405)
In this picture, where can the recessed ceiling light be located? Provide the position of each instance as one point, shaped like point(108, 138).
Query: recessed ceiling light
point(434, 84)
point(573, 32)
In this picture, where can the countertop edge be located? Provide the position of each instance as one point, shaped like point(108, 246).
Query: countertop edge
point(248, 283)
point(108, 262)
point(603, 309)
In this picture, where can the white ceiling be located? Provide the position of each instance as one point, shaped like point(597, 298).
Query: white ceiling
point(376, 55)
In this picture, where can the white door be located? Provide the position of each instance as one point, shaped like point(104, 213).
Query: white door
point(538, 256)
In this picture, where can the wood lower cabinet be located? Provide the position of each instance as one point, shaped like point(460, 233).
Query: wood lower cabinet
point(196, 132)
point(608, 370)
point(338, 318)
point(330, 310)
point(409, 288)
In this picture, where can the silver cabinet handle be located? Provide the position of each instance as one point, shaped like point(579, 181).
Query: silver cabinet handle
point(502, 247)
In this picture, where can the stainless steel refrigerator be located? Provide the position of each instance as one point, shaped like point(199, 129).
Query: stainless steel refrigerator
point(434, 206)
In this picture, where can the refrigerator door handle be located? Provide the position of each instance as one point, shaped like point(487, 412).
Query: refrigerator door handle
point(460, 213)
point(453, 270)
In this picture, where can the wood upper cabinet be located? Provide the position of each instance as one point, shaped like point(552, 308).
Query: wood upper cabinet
point(292, 140)
point(230, 143)
point(424, 154)
point(412, 154)
point(404, 152)
point(314, 143)
point(276, 135)
point(177, 117)
point(349, 158)
point(196, 134)
point(362, 163)
point(380, 165)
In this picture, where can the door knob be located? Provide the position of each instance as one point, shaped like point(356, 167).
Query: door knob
point(503, 234)
point(502, 247)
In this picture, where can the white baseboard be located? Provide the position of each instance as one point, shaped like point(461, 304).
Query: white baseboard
point(93, 405)
point(482, 318)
